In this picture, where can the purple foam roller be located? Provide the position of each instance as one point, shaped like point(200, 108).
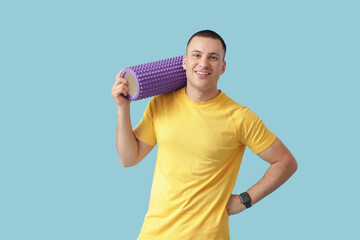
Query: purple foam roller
point(154, 78)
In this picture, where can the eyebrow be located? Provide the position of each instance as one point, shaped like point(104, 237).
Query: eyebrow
point(212, 53)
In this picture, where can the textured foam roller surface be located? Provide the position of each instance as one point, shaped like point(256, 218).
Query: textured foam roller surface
point(155, 78)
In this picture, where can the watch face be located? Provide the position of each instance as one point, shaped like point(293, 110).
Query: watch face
point(244, 197)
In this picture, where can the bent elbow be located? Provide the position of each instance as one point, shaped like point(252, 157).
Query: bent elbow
point(293, 165)
point(128, 164)
point(125, 165)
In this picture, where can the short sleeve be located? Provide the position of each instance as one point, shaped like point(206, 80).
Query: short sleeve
point(145, 131)
point(252, 132)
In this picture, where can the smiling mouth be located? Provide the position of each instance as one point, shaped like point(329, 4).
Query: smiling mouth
point(202, 73)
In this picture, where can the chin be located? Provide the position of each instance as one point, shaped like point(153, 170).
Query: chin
point(202, 87)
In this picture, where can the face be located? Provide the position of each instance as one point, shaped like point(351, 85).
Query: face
point(204, 63)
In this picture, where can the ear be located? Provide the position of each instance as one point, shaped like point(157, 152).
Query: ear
point(223, 68)
point(184, 62)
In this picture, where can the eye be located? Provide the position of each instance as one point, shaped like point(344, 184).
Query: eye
point(213, 57)
point(196, 55)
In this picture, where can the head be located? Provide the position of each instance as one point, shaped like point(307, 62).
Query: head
point(204, 61)
point(209, 34)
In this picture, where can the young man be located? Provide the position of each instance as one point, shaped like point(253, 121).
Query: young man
point(201, 135)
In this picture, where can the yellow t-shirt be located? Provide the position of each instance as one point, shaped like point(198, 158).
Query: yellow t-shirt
point(200, 147)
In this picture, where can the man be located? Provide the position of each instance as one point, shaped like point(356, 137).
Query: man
point(201, 135)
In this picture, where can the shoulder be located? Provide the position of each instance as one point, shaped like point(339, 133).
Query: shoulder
point(163, 100)
point(236, 110)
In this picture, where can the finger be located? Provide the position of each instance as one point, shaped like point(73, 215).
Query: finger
point(121, 82)
point(118, 76)
point(127, 89)
point(120, 89)
point(126, 86)
point(117, 89)
point(124, 92)
point(124, 81)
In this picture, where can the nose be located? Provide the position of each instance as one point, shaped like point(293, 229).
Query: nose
point(203, 62)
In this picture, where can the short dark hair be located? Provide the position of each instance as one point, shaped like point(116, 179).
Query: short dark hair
point(210, 34)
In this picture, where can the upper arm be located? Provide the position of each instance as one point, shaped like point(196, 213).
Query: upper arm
point(143, 150)
point(278, 152)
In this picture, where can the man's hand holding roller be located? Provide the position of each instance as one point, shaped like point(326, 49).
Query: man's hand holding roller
point(119, 92)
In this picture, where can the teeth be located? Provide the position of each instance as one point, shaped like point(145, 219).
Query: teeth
point(202, 73)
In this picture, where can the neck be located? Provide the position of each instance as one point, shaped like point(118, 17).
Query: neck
point(201, 96)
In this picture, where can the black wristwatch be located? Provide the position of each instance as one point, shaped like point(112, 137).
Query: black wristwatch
point(245, 199)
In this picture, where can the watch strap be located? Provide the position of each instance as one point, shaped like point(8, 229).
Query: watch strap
point(247, 204)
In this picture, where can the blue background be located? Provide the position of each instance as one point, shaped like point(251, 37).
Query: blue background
point(294, 63)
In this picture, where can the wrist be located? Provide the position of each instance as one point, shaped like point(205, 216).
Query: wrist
point(123, 109)
point(241, 205)
point(245, 199)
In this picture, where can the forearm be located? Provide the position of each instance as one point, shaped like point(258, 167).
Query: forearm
point(277, 174)
point(282, 166)
point(126, 143)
